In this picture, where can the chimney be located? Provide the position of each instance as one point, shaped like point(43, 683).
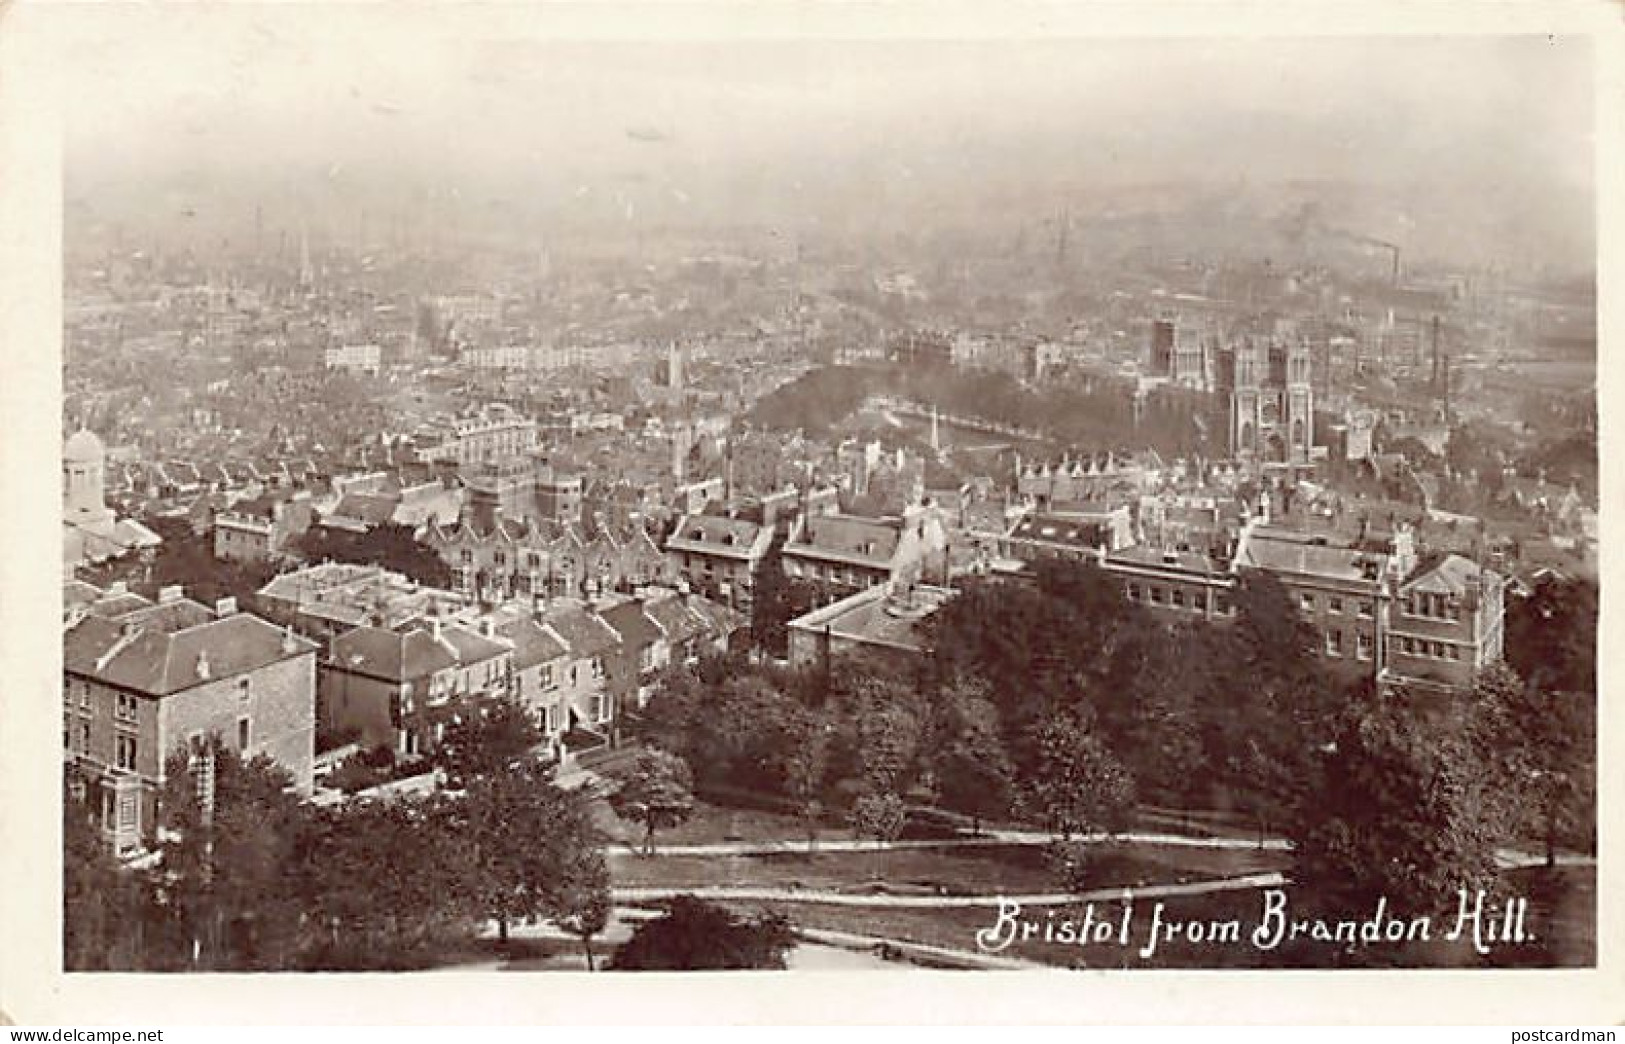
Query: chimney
point(118, 587)
point(203, 666)
point(289, 642)
point(225, 606)
point(172, 593)
point(434, 627)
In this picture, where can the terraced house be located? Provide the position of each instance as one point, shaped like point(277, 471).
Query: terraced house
point(143, 681)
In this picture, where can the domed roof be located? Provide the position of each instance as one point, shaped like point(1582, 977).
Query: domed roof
point(83, 447)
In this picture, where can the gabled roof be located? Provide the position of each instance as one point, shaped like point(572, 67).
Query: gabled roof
point(471, 646)
point(675, 618)
point(635, 627)
point(1450, 576)
point(158, 663)
point(393, 655)
point(715, 534)
point(532, 643)
point(850, 536)
point(584, 632)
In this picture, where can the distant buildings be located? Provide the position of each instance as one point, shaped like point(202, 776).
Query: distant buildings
point(493, 433)
point(355, 358)
point(91, 532)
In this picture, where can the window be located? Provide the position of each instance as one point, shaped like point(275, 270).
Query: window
point(467, 555)
point(599, 708)
point(1134, 592)
point(1335, 604)
point(545, 675)
point(1179, 597)
point(1438, 650)
point(1365, 609)
point(1307, 601)
point(124, 751)
point(1334, 643)
point(1221, 605)
point(84, 736)
point(242, 692)
point(242, 733)
point(124, 707)
point(1362, 646)
point(501, 557)
point(1158, 595)
point(1199, 601)
point(550, 717)
point(1454, 651)
point(84, 695)
point(597, 667)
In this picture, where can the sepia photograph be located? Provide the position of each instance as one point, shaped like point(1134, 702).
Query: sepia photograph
point(592, 502)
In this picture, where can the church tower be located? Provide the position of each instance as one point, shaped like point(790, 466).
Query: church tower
point(1300, 401)
point(1245, 400)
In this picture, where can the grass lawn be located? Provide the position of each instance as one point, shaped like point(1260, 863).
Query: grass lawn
point(713, 824)
point(1561, 916)
point(979, 870)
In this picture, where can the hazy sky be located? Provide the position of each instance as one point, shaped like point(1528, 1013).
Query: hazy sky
point(478, 100)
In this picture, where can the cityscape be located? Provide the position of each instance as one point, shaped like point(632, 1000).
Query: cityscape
point(814, 504)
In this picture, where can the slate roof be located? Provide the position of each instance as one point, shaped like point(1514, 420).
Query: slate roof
point(1306, 559)
point(532, 643)
point(636, 629)
point(393, 655)
point(584, 632)
point(849, 536)
point(158, 664)
point(1450, 576)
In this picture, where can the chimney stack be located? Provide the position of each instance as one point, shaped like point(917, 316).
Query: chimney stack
point(172, 593)
point(225, 606)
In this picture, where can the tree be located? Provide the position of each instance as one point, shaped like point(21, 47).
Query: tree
point(498, 736)
point(1541, 744)
point(971, 768)
point(658, 792)
point(806, 768)
point(386, 884)
point(1399, 812)
point(1076, 786)
point(391, 545)
point(579, 899)
point(227, 829)
point(1551, 636)
point(522, 830)
point(694, 935)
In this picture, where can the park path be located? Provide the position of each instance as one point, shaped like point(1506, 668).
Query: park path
point(988, 837)
point(1506, 858)
point(943, 902)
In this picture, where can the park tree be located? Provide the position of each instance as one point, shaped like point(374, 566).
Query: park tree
point(1075, 785)
point(524, 832)
point(386, 885)
point(1399, 811)
point(579, 899)
point(1551, 636)
point(657, 792)
point(972, 771)
point(1542, 746)
point(228, 829)
point(807, 767)
point(694, 935)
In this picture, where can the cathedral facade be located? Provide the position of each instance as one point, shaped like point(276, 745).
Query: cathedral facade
point(1272, 401)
